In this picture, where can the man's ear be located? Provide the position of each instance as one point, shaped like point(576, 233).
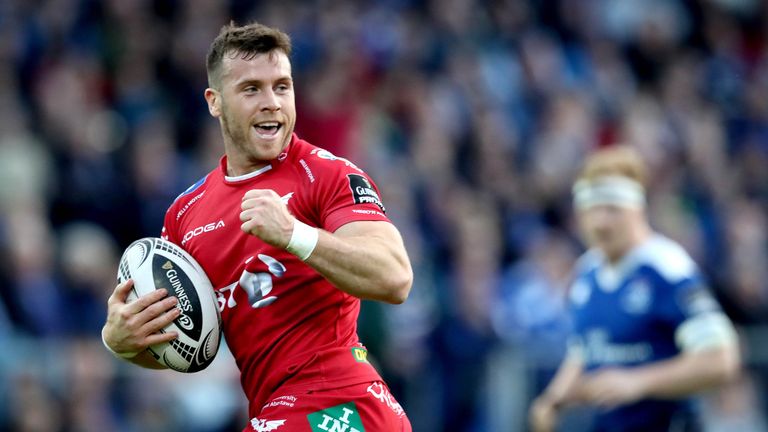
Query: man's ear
point(213, 97)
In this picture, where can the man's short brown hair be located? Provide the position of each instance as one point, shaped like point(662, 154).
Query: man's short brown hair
point(246, 41)
point(620, 160)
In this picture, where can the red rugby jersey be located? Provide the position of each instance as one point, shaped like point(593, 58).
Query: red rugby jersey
point(286, 325)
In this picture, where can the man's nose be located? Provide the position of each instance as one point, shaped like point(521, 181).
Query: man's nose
point(269, 101)
point(601, 216)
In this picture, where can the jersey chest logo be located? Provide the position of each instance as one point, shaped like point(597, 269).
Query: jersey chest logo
point(257, 285)
point(636, 298)
point(194, 232)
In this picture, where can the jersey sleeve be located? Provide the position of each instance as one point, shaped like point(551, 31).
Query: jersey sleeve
point(696, 316)
point(169, 227)
point(177, 209)
point(345, 194)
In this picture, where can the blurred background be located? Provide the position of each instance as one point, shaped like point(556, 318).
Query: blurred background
point(471, 115)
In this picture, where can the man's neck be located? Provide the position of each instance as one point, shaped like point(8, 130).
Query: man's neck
point(235, 169)
point(638, 236)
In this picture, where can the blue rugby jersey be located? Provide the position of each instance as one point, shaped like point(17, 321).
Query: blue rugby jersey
point(628, 314)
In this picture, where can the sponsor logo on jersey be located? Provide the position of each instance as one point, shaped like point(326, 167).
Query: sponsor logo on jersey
point(637, 297)
point(360, 354)
point(307, 170)
point(380, 392)
point(325, 154)
point(600, 350)
point(261, 425)
point(286, 401)
point(189, 204)
point(363, 192)
point(339, 418)
point(367, 212)
point(201, 229)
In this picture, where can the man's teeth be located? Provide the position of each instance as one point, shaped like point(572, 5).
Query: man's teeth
point(267, 129)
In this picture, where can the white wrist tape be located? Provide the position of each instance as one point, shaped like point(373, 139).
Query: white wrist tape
point(303, 240)
point(125, 355)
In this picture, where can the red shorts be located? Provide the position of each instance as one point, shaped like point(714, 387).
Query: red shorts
point(368, 407)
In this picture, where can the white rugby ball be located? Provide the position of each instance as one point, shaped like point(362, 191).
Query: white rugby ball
point(154, 263)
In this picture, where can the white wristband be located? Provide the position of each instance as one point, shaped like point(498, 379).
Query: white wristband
point(125, 355)
point(303, 240)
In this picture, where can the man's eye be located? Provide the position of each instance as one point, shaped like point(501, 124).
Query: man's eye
point(250, 89)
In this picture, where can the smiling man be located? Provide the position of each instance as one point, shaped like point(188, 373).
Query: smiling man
point(297, 237)
point(251, 93)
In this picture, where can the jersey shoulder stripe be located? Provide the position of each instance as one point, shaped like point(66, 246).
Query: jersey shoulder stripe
point(192, 188)
point(658, 254)
point(667, 258)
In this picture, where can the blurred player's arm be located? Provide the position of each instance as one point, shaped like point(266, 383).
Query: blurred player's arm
point(689, 373)
point(560, 392)
point(132, 327)
point(709, 357)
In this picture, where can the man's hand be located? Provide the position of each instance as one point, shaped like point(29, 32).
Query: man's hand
point(132, 327)
point(611, 387)
point(266, 216)
point(542, 416)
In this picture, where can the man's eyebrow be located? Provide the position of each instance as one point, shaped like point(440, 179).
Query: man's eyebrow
point(258, 82)
point(250, 81)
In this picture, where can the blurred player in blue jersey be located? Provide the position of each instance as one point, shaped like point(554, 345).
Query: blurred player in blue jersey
point(647, 333)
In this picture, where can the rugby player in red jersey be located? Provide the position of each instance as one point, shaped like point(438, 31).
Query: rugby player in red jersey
point(291, 237)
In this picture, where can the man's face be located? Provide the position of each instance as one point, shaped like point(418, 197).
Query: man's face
point(610, 228)
point(255, 104)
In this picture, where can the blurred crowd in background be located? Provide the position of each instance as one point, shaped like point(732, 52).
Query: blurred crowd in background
point(473, 117)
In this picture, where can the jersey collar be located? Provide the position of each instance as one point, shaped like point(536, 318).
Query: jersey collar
point(611, 276)
point(244, 177)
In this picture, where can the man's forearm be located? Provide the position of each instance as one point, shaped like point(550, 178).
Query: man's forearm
point(689, 373)
point(146, 360)
point(561, 391)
